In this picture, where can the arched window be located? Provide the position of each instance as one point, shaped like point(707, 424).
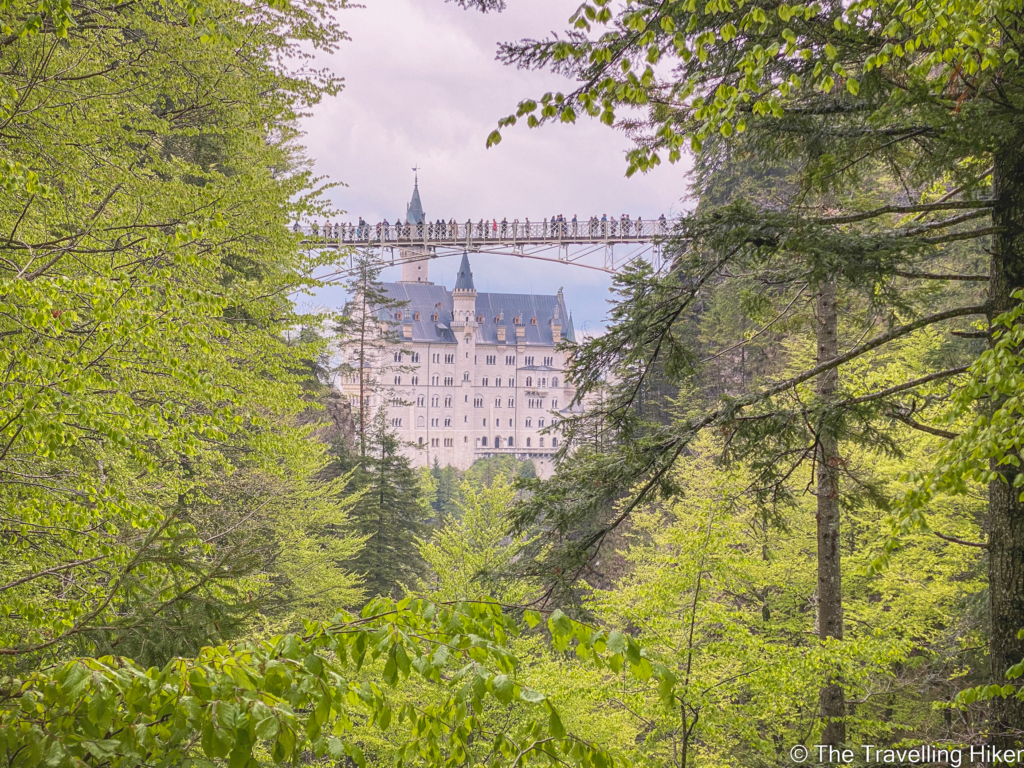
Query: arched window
point(421, 422)
point(527, 442)
point(416, 316)
point(483, 441)
point(529, 381)
point(533, 321)
point(435, 379)
point(434, 401)
point(435, 317)
point(554, 442)
point(398, 379)
point(400, 316)
point(511, 442)
point(554, 404)
point(497, 442)
point(543, 382)
point(554, 381)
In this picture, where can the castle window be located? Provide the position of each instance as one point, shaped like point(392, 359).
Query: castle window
point(421, 401)
point(465, 376)
point(398, 357)
point(543, 383)
point(529, 361)
point(416, 355)
point(421, 441)
point(540, 423)
point(511, 402)
point(549, 361)
point(449, 381)
point(447, 422)
point(437, 358)
point(416, 316)
point(435, 317)
point(510, 359)
point(448, 402)
point(554, 442)
point(554, 404)
point(396, 422)
point(497, 382)
point(485, 422)
point(478, 402)
point(438, 305)
point(433, 401)
point(435, 379)
point(450, 359)
point(465, 439)
point(529, 423)
point(542, 442)
point(479, 318)
point(433, 422)
point(449, 442)
point(395, 402)
point(497, 442)
point(492, 359)
point(529, 381)
point(497, 402)
point(533, 321)
point(398, 380)
point(511, 382)
point(415, 380)
point(433, 442)
point(485, 380)
point(483, 441)
point(527, 442)
point(400, 316)
point(554, 381)
point(511, 442)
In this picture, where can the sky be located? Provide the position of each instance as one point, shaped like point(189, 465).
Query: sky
point(423, 89)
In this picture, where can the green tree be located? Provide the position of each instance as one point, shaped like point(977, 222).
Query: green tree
point(389, 513)
point(931, 96)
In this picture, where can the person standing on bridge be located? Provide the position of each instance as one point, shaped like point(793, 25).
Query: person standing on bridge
point(504, 228)
point(494, 225)
point(639, 226)
point(515, 228)
point(574, 225)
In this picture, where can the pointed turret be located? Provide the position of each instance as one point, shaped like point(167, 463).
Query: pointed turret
point(415, 215)
point(568, 333)
point(465, 279)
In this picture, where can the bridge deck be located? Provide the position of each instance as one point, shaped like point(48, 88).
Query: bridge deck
point(470, 235)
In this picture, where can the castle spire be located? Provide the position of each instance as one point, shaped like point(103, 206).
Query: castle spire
point(465, 279)
point(414, 213)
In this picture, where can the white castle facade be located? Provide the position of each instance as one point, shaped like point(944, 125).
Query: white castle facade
point(471, 375)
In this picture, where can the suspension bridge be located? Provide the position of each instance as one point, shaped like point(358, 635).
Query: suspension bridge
point(601, 244)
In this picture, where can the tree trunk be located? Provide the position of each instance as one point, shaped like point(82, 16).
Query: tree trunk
point(1006, 511)
point(830, 592)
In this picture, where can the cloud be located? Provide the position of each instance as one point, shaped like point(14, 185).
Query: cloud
point(423, 88)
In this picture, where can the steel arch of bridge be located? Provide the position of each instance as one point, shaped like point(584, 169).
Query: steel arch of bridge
point(589, 244)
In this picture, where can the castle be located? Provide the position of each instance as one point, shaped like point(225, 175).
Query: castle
point(470, 375)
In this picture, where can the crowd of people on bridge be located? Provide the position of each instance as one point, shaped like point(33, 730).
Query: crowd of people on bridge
point(555, 228)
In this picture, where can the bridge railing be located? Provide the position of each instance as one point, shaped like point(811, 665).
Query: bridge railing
point(453, 233)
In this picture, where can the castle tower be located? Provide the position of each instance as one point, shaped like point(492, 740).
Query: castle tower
point(464, 326)
point(464, 299)
point(415, 271)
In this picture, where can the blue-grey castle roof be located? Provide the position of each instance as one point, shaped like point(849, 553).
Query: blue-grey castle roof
point(424, 301)
point(464, 282)
point(415, 213)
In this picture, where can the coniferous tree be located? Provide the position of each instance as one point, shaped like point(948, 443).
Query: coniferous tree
point(390, 512)
point(933, 98)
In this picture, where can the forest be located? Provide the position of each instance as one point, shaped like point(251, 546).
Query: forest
point(788, 522)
